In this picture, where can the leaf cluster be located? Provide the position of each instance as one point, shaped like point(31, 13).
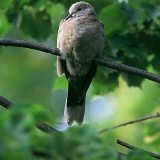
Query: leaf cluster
point(22, 140)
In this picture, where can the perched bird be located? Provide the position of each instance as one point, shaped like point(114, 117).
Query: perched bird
point(80, 39)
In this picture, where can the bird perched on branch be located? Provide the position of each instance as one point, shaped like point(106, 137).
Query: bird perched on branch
point(80, 39)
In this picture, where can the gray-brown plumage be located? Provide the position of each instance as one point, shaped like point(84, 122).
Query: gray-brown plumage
point(80, 39)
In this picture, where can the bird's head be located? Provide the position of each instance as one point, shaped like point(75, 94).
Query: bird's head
point(81, 9)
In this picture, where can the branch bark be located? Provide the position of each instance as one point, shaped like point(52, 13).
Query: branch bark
point(102, 62)
point(46, 128)
point(5, 102)
point(128, 69)
point(130, 122)
point(29, 44)
point(154, 155)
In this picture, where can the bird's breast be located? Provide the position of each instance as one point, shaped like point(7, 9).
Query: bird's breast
point(82, 41)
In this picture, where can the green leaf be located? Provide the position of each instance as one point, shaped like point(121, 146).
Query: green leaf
point(4, 25)
point(151, 128)
point(57, 13)
point(155, 63)
point(138, 154)
point(9, 154)
point(132, 80)
point(60, 83)
point(1, 50)
point(35, 23)
point(5, 4)
point(130, 13)
point(106, 80)
point(113, 18)
point(156, 13)
point(17, 126)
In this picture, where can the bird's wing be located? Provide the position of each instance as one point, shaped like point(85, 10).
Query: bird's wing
point(78, 85)
point(102, 24)
point(60, 69)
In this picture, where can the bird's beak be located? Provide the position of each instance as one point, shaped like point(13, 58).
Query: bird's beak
point(69, 16)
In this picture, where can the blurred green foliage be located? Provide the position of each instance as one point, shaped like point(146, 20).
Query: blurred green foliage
point(29, 79)
point(22, 140)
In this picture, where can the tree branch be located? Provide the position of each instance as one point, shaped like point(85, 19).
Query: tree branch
point(5, 102)
point(42, 155)
point(130, 122)
point(102, 62)
point(40, 125)
point(46, 128)
point(29, 44)
point(128, 69)
point(135, 148)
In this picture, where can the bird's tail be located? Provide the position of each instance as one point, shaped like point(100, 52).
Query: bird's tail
point(74, 113)
point(75, 102)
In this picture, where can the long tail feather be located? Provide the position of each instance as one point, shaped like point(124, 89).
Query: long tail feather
point(75, 113)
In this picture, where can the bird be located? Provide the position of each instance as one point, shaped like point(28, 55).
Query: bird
point(80, 39)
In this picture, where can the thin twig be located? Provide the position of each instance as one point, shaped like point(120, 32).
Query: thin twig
point(121, 154)
point(5, 102)
point(102, 62)
point(46, 128)
point(154, 155)
point(42, 154)
point(40, 125)
point(130, 122)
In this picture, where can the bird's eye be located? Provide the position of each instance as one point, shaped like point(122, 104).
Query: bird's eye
point(79, 9)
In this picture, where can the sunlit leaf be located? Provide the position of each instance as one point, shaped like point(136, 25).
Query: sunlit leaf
point(60, 83)
point(4, 25)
